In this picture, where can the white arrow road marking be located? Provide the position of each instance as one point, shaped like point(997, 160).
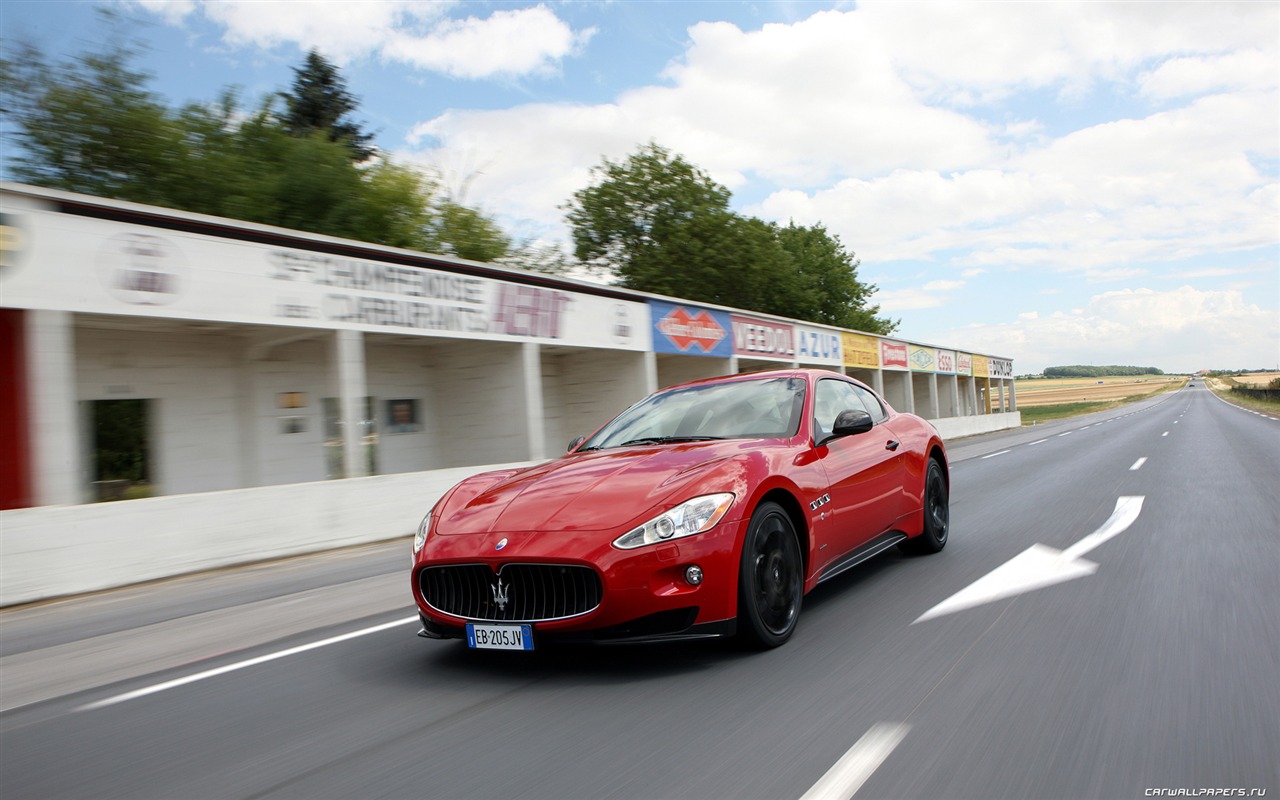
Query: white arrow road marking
point(848, 774)
point(1038, 566)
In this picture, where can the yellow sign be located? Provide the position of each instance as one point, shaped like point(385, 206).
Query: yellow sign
point(860, 351)
point(981, 367)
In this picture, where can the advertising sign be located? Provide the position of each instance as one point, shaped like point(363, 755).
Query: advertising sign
point(980, 366)
point(1001, 368)
point(964, 363)
point(922, 358)
point(946, 361)
point(756, 338)
point(101, 266)
point(893, 355)
point(690, 330)
point(817, 346)
point(860, 351)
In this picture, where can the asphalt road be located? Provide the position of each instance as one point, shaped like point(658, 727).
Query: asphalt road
point(1123, 649)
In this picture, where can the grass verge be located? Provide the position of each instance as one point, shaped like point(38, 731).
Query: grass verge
point(1222, 388)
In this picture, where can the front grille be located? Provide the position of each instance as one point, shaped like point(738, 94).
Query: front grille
point(532, 592)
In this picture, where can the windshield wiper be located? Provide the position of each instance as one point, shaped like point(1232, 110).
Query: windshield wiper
point(670, 440)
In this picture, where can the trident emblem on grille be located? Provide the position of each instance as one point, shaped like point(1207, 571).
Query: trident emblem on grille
point(500, 594)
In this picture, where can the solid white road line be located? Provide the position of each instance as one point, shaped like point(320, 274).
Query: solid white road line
point(1002, 452)
point(848, 774)
point(199, 676)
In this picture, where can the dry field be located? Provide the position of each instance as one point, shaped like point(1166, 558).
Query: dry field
point(1257, 380)
point(1059, 391)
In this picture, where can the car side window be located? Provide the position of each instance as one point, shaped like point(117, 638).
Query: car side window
point(830, 399)
point(873, 405)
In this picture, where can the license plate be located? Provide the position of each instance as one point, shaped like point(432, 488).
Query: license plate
point(499, 637)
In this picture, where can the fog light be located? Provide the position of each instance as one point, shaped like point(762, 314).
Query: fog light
point(693, 575)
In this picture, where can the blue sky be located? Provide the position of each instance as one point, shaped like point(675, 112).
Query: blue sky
point(1058, 183)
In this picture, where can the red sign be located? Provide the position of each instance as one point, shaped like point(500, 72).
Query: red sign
point(893, 354)
point(685, 331)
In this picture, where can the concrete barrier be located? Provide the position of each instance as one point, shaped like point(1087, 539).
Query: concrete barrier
point(52, 551)
point(959, 427)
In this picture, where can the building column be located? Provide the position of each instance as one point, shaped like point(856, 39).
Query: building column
point(953, 385)
point(349, 369)
point(1013, 395)
point(650, 372)
point(877, 381)
point(932, 386)
point(531, 360)
point(58, 465)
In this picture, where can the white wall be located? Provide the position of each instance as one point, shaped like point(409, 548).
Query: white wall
point(957, 427)
point(478, 403)
point(583, 389)
point(275, 456)
point(674, 369)
point(192, 381)
point(399, 370)
point(896, 390)
point(53, 551)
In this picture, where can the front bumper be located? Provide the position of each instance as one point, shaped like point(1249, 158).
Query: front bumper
point(645, 595)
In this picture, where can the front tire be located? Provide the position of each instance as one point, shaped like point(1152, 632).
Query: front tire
point(770, 579)
point(937, 513)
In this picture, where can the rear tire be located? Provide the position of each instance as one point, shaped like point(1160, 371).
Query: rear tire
point(770, 579)
point(936, 511)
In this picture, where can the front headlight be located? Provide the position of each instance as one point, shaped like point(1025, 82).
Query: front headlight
point(420, 538)
point(692, 516)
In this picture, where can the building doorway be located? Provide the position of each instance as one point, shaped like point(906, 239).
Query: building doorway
point(122, 467)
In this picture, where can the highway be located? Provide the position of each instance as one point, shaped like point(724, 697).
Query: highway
point(1104, 623)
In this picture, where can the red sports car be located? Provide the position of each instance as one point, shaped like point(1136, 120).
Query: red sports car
point(707, 509)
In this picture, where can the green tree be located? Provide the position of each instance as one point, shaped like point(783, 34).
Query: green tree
point(90, 126)
point(319, 102)
point(641, 208)
point(458, 230)
point(662, 225)
point(827, 274)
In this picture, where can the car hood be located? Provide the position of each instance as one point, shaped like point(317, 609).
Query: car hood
point(582, 492)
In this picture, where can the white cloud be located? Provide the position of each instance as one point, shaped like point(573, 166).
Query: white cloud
point(510, 42)
point(421, 34)
point(1181, 330)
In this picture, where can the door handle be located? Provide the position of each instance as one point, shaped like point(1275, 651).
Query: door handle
point(892, 444)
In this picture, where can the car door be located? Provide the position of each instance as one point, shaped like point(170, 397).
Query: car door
point(864, 471)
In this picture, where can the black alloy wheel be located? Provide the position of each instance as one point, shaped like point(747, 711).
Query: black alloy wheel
point(937, 513)
point(770, 580)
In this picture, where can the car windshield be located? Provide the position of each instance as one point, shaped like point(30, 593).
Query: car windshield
point(748, 409)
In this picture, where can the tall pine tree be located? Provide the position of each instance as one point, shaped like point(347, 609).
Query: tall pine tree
point(320, 102)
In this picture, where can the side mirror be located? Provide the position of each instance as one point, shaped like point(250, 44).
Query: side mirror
point(574, 444)
point(850, 422)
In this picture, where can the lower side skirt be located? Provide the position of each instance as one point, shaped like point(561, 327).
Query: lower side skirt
point(871, 549)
